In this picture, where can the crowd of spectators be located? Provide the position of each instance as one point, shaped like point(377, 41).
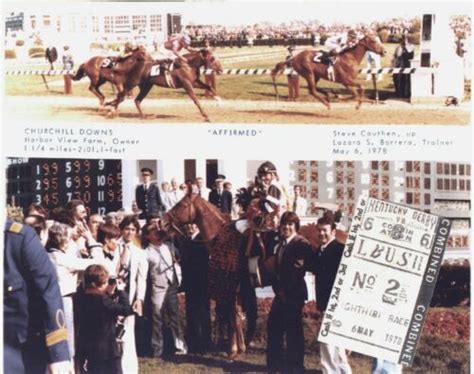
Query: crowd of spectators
point(312, 33)
point(112, 269)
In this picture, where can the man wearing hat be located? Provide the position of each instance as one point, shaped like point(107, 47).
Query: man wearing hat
point(293, 79)
point(147, 196)
point(221, 197)
point(402, 57)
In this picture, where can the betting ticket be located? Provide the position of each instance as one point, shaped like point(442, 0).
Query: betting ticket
point(385, 280)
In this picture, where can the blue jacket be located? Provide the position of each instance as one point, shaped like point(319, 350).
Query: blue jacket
point(32, 303)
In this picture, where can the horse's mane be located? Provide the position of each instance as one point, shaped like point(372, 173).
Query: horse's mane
point(350, 48)
point(209, 218)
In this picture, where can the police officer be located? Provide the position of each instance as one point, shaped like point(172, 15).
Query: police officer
point(34, 327)
point(147, 196)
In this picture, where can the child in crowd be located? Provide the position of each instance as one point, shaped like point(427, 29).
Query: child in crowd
point(99, 306)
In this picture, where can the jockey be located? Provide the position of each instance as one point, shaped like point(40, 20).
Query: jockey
point(178, 42)
point(128, 48)
point(338, 44)
point(267, 183)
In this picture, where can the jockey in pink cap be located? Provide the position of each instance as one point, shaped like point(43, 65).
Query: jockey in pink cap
point(178, 42)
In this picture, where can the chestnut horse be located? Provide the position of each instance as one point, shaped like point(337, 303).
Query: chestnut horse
point(226, 254)
point(346, 68)
point(185, 74)
point(224, 273)
point(118, 75)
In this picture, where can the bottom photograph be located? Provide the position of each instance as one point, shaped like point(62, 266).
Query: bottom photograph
point(224, 265)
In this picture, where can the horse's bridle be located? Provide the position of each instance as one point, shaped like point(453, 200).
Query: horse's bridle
point(174, 221)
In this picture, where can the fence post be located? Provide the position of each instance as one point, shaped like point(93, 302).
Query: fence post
point(67, 84)
point(376, 91)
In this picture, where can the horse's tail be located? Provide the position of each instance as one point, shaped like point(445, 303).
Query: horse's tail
point(278, 69)
point(80, 73)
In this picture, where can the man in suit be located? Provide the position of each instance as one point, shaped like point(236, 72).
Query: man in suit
point(33, 321)
point(221, 197)
point(165, 279)
point(292, 257)
point(131, 270)
point(300, 205)
point(147, 196)
point(203, 190)
point(195, 263)
point(325, 264)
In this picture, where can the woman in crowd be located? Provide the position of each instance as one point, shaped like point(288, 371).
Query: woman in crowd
point(68, 266)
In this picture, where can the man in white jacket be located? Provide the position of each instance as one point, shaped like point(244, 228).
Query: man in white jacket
point(132, 270)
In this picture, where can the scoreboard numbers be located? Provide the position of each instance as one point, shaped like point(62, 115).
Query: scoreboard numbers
point(53, 183)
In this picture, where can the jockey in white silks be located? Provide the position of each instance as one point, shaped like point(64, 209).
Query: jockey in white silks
point(337, 44)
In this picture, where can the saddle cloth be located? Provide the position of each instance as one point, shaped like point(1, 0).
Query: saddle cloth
point(165, 69)
point(322, 57)
point(108, 63)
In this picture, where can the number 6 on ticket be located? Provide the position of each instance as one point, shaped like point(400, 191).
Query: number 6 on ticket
point(385, 280)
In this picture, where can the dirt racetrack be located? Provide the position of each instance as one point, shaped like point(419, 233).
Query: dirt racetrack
point(73, 109)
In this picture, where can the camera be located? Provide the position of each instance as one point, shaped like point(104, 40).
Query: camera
point(119, 330)
point(112, 281)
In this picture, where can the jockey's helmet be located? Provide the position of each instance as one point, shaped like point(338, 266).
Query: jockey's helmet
point(352, 34)
point(266, 167)
point(129, 46)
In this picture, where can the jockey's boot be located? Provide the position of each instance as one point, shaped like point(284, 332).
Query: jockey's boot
point(331, 76)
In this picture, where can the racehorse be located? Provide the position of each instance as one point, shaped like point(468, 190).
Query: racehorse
point(229, 260)
point(185, 74)
point(346, 68)
point(98, 72)
point(223, 242)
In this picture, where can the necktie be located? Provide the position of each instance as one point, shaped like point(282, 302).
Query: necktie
point(281, 251)
point(124, 263)
point(294, 204)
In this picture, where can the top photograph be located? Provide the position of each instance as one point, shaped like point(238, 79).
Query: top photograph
point(314, 63)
